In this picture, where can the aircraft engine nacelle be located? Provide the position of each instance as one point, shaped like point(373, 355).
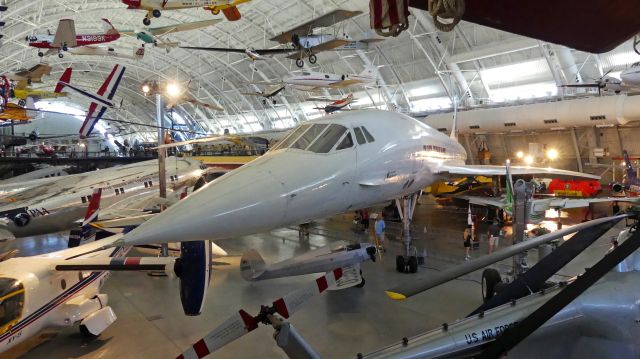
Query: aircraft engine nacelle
point(343, 77)
point(21, 219)
point(194, 270)
point(617, 188)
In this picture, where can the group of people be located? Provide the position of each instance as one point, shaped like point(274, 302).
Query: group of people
point(469, 236)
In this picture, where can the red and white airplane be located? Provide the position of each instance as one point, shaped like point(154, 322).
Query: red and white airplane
point(109, 87)
point(335, 105)
point(154, 7)
point(66, 38)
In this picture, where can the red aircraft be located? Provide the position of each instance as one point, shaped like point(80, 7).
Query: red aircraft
point(65, 38)
point(574, 188)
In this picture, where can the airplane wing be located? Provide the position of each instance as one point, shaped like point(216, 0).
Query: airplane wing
point(488, 170)
point(240, 51)
point(204, 104)
point(65, 34)
point(326, 20)
point(90, 120)
point(36, 72)
point(325, 46)
point(164, 30)
point(344, 83)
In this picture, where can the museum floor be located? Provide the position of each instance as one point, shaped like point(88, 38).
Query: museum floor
point(337, 324)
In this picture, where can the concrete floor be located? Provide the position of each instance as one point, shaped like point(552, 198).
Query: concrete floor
point(337, 324)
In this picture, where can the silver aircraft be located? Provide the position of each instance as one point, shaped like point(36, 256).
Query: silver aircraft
point(55, 204)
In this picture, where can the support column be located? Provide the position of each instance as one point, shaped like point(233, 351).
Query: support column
point(523, 191)
point(162, 171)
point(576, 148)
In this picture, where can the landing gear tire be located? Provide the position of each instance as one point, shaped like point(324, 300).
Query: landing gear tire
point(60, 55)
point(146, 21)
point(490, 280)
point(274, 102)
point(313, 59)
point(412, 264)
point(156, 13)
point(400, 264)
point(40, 53)
point(299, 62)
point(65, 48)
point(86, 333)
point(264, 102)
point(22, 102)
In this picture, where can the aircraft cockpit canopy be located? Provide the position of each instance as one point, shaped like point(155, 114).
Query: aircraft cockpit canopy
point(323, 137)
point(11, 302)
point(635, 64)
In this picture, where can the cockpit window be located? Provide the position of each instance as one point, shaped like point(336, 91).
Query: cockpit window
point(312, 133)
point(328, 139)
point(359, 136)
point(11, 301)
point(347, 142)
point(292, 137)
point(367, 134)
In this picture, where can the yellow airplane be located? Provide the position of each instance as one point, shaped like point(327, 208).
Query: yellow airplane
point(229, 9)
point(15, 112)
point(22, 91)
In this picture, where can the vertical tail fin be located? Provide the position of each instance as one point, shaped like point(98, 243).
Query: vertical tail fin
point(108, 28)
point(631, 172)
point(86, 232)
point(64, 79)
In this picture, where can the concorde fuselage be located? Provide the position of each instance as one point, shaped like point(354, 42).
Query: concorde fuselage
point(288, 185)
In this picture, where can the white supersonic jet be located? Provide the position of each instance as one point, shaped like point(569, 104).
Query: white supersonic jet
point(322, 168)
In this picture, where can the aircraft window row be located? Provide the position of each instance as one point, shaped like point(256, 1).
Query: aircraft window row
point(173, 178)
point(53, 175)
point(148, 184)
point(119, 191)
point(11, 300)
point(328, 139)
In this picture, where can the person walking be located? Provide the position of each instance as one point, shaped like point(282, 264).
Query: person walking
point(379, 229)
point(467, 236)
point(494, 235)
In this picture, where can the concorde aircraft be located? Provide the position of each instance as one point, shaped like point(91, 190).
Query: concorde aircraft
point(323, 167)
point(54, 204)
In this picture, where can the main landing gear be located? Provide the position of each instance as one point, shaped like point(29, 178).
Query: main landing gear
point(407, 263)
point(147, 19)
point(312, 60)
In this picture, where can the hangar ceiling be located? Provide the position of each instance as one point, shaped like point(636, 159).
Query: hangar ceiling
point(420, 71)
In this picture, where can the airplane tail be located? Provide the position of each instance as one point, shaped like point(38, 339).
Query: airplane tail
point(86, 232)
point(232, 13)
point(631, 172)
point(109, 29)
point(252, 266)
point(64, 80)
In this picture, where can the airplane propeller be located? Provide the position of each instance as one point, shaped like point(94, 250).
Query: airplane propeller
point(241, 322)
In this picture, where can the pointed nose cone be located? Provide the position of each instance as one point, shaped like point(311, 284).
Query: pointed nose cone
point(246, 201)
